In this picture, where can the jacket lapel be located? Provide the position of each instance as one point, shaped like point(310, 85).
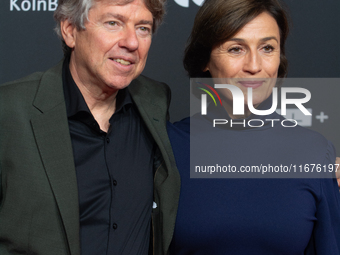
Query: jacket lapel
point(153, 109)
point(53, 140)
point(152, 113)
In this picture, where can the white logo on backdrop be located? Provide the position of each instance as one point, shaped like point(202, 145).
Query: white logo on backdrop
point(33, 5)
point(185, 3)
point(51, 5)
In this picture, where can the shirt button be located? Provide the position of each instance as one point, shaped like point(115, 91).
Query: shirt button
point(114, 183)
point(108, 140)
point(114, 226)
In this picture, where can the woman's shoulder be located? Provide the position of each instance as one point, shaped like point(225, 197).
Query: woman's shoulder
point(294, 133)
point(182, 126)
point(304, 145)
point(179, 135)
point(306, 136)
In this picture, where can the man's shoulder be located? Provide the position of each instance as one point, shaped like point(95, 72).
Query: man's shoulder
point(143, 84)
point(148, 80)
point(19, 93)
point(30, 81)
point(150, 95)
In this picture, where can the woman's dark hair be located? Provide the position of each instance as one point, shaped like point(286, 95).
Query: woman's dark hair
point(219, 20)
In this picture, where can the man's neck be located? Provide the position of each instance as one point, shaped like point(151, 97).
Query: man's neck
point(102, 106)
point(101, 100)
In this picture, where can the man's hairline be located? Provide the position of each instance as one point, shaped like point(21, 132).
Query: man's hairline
point(124, 2)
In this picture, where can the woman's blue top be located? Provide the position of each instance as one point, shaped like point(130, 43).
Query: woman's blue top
point(256, 216)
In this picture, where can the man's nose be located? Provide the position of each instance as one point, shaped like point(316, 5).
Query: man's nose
point(129, 39)
point(253, 63)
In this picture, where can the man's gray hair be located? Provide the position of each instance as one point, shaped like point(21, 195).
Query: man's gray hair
point(77, 11)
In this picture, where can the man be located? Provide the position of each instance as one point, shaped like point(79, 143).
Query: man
point(84, 154)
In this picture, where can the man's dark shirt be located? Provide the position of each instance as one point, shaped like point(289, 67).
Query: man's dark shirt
point(114, 174)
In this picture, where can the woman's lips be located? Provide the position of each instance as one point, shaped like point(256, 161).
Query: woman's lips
point(251, 84)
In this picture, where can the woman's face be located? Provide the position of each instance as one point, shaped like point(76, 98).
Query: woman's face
point(249, 58)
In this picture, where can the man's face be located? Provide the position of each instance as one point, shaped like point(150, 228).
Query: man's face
point(113, 48)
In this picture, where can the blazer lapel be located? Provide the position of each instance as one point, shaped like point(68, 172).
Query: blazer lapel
point(153, 110)
point(53, 140)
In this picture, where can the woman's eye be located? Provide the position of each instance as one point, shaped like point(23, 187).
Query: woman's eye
point(268, 48)
point(235, 50)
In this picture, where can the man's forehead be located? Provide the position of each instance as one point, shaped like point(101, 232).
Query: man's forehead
point(109, 3)
point(115, 2)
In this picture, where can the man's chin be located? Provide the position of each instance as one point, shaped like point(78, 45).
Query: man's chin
point(118, 84)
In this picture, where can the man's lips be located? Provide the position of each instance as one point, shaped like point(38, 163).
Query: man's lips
point(123, 61)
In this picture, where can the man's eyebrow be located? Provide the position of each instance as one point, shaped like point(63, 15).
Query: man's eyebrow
point(265, 39)
point(114, 15)
point(123, 18)
point(146, 22)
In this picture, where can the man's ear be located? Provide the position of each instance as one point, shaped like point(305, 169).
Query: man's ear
point(68, 32)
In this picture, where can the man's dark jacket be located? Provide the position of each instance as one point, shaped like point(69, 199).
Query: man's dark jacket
point(39, 211)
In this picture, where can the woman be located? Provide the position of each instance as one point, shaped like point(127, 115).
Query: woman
point(241, 39)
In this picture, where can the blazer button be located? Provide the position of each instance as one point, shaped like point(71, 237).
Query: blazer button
point(114, 226)
point(114, 183)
